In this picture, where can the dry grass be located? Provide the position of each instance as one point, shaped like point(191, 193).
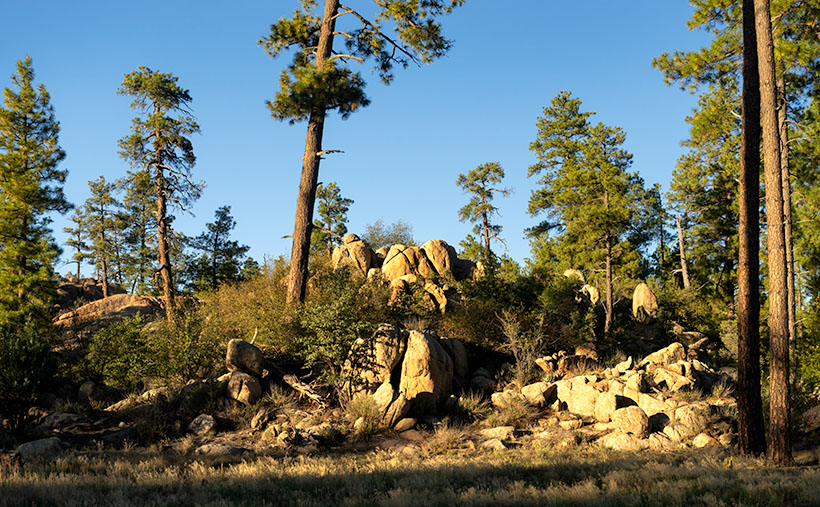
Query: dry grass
point(521, 476)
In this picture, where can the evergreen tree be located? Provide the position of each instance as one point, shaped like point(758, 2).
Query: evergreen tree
point(332, 224)
point(585, 191)
point(318, 80)
point(77, 239)
point(99, 214)
point(160, 144)
point(220, 260)
point(479, 185)
point(139, 205)
point(31, 187)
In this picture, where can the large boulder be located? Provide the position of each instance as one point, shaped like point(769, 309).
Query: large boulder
point(426, 373)
point(245, 357)
point(356, 254)
point(578, 395)
point(372, 362)
point(108, 311)
point(43, 448)
point(403, 260)
point(631, 420)
point(244, 388)
point(442, 256)
point(644, 303)
point(666, 356)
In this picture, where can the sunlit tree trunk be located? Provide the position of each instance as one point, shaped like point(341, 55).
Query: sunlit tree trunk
point(297, 278)
point(684, 265)
point(779, 441)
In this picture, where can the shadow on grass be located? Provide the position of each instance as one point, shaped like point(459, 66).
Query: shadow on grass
point(381, 478)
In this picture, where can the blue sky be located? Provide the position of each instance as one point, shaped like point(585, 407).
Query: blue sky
point(404, 152)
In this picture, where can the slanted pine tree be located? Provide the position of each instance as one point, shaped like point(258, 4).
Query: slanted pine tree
point(481, 185)
point(159, 143)
point(318, 80)
point(31, 188)
point(331, 226)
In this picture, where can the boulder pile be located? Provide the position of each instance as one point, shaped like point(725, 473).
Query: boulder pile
point(406, 372)
point(657, 402)
point(431, 265)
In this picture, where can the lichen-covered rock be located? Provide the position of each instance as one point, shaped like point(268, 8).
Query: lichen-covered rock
point(203, 424)
point(245, 357)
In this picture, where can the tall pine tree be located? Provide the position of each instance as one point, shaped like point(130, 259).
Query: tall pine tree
point(31, 187)
point(160, 144)
point(318, 80)
point(480, 185)
point(586, 192)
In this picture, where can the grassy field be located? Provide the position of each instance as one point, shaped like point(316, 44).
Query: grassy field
point(521, 476)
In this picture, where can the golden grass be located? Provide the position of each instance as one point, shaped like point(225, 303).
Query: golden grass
point(520, 476)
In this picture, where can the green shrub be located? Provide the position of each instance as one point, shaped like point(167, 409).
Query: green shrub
point(26, 368)
point(128, 354)
point(118, 356)
point(339, 309)
point(181, 351)
point(255, 307)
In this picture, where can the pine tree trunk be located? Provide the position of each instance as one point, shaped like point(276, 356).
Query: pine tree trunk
point(684, 265)
point(297, 278)
point(609, 312)
point(486, 224)
point(779, 442)
point(103, 260)
point(163, 247)
point(751, 437)
point(783, 131)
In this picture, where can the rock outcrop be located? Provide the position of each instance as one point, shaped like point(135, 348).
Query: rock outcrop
point(108, 311)
point(644, 303)
point(407, 372)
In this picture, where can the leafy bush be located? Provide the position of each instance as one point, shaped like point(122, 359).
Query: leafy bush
point(118, 356)
point(129, 353)
point(338, 310)
point(26, 368)
point(256, 307)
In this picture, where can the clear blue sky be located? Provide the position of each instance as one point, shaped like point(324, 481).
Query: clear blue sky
point(402, 153)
